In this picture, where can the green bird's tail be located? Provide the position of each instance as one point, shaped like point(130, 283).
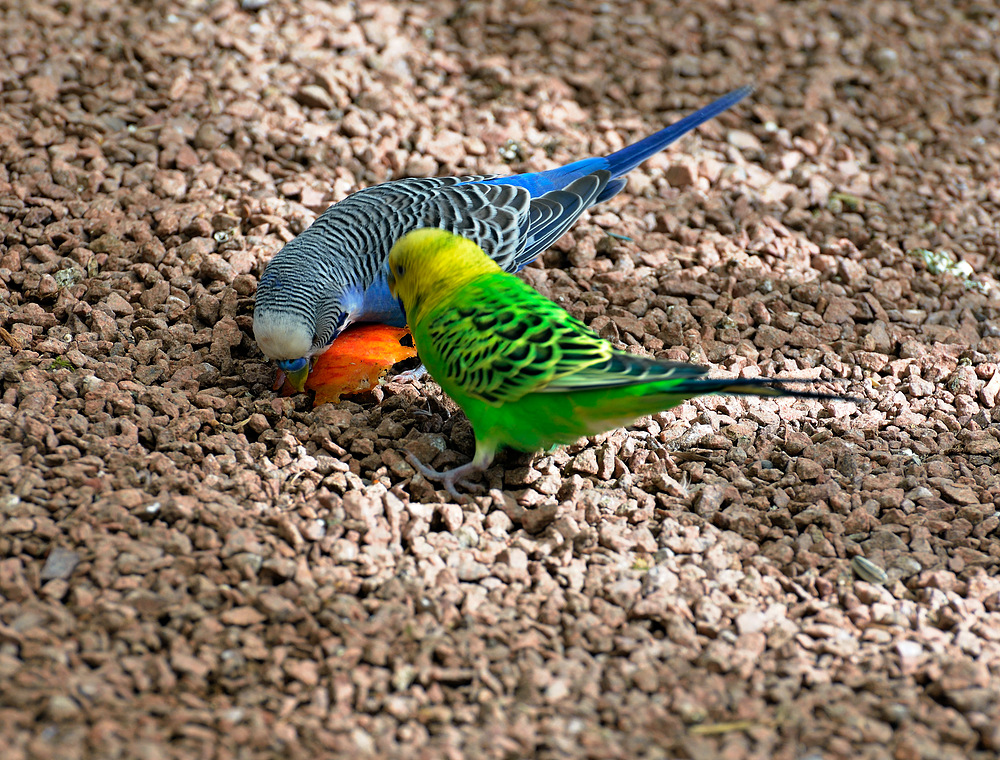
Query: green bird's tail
point(746, 386)
point(625, 387)
point(644, 377)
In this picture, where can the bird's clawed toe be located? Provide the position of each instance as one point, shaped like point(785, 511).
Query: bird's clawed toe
point(449, 478)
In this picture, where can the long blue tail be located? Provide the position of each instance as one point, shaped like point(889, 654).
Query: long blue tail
point(625, 160)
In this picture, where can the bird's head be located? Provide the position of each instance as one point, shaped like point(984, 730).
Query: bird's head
point(427, 264)
point(294, 338)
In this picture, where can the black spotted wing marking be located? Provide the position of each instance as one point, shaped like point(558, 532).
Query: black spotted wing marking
point(490, 215)
point(505, 340)
point(505, 221)
point(556, 211)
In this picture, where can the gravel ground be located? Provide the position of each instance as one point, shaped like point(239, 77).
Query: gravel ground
point(191, 566)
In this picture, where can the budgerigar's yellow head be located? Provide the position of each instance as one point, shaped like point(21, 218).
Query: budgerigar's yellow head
point(428, 264)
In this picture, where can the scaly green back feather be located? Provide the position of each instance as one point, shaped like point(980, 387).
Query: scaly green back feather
point(499, 340)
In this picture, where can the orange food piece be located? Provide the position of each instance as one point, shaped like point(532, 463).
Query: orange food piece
point(357, 360)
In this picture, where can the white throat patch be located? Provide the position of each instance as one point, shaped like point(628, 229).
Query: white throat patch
point(282, 336)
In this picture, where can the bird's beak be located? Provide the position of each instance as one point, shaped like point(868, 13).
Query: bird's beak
point(297, 379)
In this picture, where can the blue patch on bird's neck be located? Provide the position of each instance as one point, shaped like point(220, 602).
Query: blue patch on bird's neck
point(292, 365)
point(378, 305)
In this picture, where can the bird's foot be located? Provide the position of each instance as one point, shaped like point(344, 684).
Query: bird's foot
point(411, 376)
point(450, 478)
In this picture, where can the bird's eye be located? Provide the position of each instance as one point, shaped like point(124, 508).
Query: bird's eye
point(400, 271)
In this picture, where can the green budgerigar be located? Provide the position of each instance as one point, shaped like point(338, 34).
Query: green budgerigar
point(527, 373)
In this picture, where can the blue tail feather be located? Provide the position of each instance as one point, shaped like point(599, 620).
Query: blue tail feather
point(625, 160)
